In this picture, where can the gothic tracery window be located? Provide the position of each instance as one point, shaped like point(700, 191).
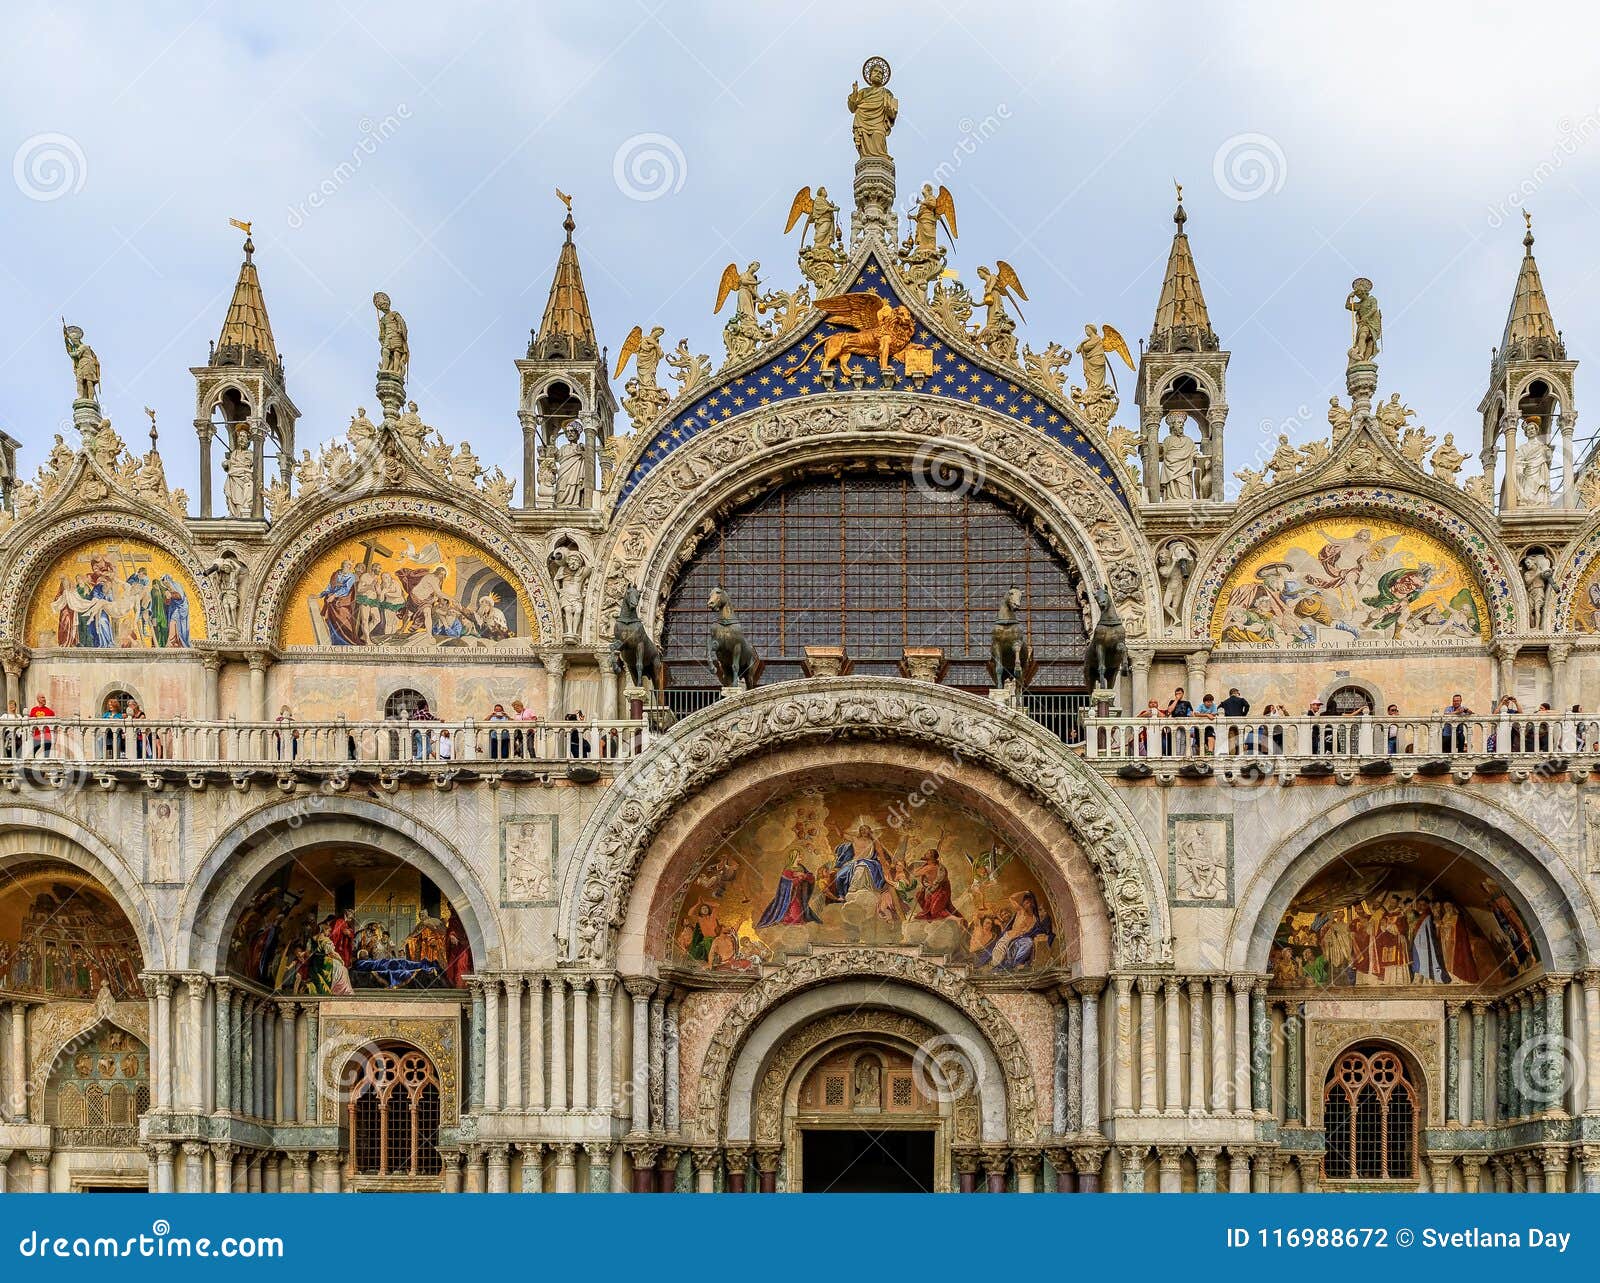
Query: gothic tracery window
point(394, 1115)
point(1369, 1118)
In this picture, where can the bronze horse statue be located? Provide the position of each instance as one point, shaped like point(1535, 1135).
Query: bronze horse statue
point(637, 656)
point(733, 658)
point(1108, 646)
point(1010, 656)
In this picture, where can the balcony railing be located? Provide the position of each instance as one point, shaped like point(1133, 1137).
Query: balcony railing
point(150, 745)
point(1237, 742)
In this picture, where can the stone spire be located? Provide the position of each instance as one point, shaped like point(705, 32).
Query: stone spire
point(567, 330)
point(246, 337)
point(1182, 323)
point(1530, 332)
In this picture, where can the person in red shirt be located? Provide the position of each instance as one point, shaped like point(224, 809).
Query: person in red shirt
point(44, 736)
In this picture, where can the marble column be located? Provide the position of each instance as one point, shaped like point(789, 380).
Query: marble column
point(474, 1047)
point(17, 1106)
point(706, 1160)
point(1554, 1087)
point(639, 991)
point(1293, 1091)
point(605, 1091)
point(1502, 1057)
point(499, 1163)
point(1310, 1169)
point(1452, 1062)
point(222, 1169)
point(161, 1162)
point(223, 1066)
point(1172, 1093)
point(1219, 1046)
point(1149, 991)
point(288, 1063)
point(1089, 1026)
point(300, 1171)
point(329, 1166)
point(1241, 1045)
point(310, 1011)
point(1589, 1159)
point(1170, 1160)
point(1088, 1160)
point(1267, 1165)
point(1260, 1050)
point(1591, 1042)
point(580, 1042)
point(472, 1165)
point(555, 668)
point(566, 1168)
point(1072, 1057)
point(511, 1094)
point(1197, 1048)
point(162, 1053)
point(194, 1153)
point(532, 1167)
point(1478, 1066)
point(599, 1153)
point(194, 1060)
point(658, 1018)
point(1133, 1157)
point(1058, 1063)
point(558, 1044)
point(538, 1089)
point(1205, 1168)
point(1025, 1163)
point(670, 1062)
point(1472, 1166)
point(247, 1055)
point(492, 1053)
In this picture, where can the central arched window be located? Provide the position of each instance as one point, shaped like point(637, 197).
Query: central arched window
point(876, 564)
point(394, 1115)
point(403, 704)
point(1369, 1118)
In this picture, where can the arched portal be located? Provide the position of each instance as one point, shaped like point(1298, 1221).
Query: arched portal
point(63, 937)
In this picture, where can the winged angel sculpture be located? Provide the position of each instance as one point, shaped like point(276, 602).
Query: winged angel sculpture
point(872, 327)
point(998, 334)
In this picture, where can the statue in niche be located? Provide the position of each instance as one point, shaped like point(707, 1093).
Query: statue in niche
point(239, 473)
point(1174, 565)
point(1533, 465)
point(867, 1084)
point(572, 470)
point(1180, 463)
point(1537, 571)
point(570, 571)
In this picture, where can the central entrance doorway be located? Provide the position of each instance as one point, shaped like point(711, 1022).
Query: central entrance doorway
point(851, 1161)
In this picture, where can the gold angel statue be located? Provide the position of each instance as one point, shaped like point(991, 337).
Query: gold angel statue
point(929, 211)
point(998, 287)
point(873, 327)
point(820, 213)
point(744, 331)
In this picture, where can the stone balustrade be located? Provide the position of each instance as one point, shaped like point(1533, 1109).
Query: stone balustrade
point(1523, 742)
point(146, 745)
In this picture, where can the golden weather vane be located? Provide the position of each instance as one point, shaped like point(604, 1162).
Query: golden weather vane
point(242, 224)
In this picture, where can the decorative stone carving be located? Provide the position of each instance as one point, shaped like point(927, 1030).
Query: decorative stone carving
point(709, 743)
point(776, 986)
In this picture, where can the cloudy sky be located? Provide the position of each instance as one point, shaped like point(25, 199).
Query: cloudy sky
point(414, 148)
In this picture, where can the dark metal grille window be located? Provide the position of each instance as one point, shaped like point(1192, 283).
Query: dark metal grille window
point(394, 1116)
point(875, 564)
point(1369, 1118)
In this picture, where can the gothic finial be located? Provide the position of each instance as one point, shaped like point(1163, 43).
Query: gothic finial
point(1178, 216)
point(567, 222)
point(1527, 239)
point(152, 415)
point(244, 226)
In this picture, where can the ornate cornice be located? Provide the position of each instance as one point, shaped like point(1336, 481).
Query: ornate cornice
point(609, 853)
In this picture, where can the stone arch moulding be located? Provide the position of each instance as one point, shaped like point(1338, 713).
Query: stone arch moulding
point(341, 518)
point(1208, 385)
point(1557, 908)
point(599, 877)
point(1059, 493)
point(256, 843)
point(31, 833)
point(65, 533)
point(1480, 549)
point(783, 1002)
point(58, 1027)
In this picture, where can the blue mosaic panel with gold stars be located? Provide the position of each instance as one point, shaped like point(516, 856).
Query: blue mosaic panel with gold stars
point(955, 378)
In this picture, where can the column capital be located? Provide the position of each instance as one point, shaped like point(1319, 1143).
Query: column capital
point(1196, 986)
point(40, 1157)
point(1241, 983)
point(1151, 983)
point(1553, 1158)
point(578, 983)
point(300, 1159)
point(1453, 1007)
point(196, 985)
point(191, 1149)
point(705, 1158)
point(222, 1152)
point(604, 984)
point(1089, 1159)
point(599, 1151)
point(565, 1152)
point(157, 984)
point(964, 1159)
point(767, 1157)
point(1559, 652)
point(1206, 1155)
point(1025, 1158)
point(1589, 1159)
point(1170, 1157)
point(1088, 986)
point(639, 986)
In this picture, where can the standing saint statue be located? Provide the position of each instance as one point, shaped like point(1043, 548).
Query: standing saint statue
point(572, 470)
point(874, 109)
point(394, 348)
point(85, 364)
point(1533, 465)
point(239, 469)
point(1367, 321)
point(1179, 454)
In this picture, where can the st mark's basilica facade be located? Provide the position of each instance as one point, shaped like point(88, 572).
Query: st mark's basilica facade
point(779, 784)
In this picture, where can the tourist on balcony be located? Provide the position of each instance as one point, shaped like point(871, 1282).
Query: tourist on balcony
point(1177, 706)
point(524, 743)
point(1274, 711)
point(1546, 715)
point(499, 741)
point(44, 737)
point(423, 743)
point(1392, 731)
point(1507, 707)
point(446, 748)
point(1314, 709)
point(1236, 705)
point(1578, 735)
point(285, 734)
point(1455, 714)
point(142, 747)
point(577, 740)
point(1150, 712)
point(113, 743)
point(1207, 712)
point(11, 736)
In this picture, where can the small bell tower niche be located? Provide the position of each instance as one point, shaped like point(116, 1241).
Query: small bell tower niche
point(243, 415)
point(567, 410)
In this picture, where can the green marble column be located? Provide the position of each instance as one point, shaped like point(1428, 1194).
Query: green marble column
point(475, 1051)
point(1452, 1062)
point(313, 1069)
point(1502, 1061)
point(1554, 1081)
point(1293, 1028)
point(1480, 1056)
point(1260, 1050)
point(224, 1054)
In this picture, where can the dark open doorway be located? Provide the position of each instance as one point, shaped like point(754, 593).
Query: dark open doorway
point(867, 1162)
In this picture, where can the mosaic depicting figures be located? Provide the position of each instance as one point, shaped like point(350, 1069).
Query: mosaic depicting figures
point(858, 866)
point(335, 922)
point(1336, 582)
point(116, 594)
point(62, 936)
point(407, 587)
point(1401, 916)
point(1586, 600)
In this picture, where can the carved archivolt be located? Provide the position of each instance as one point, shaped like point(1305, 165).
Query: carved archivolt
point(602, 869)
point(910, 1032)
point(57, 1027)
point(654, 530)
point(288, 560)
point(777, 986)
